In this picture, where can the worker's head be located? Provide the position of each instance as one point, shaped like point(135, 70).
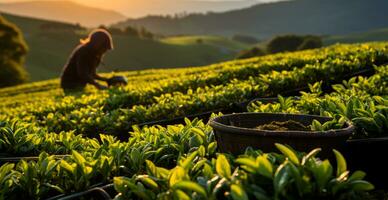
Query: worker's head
point(100, 40)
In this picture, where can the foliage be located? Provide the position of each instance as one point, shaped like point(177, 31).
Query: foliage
point(293, 42)
point(360, 100)
point(253, 52)
point(155, 95)
point(61, 27)
point(178, 162)
point(182, 161)
point(254, 175)
point(12, 53)
point(312, 42)
point(11, 73)
point(130, 31)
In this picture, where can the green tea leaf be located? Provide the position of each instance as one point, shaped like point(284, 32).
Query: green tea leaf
point(189, 160)
point(148, 181)
point(289, 153)
point(78, 158)
point(322, 173)
point(238, 192)
point(357, 175)
point(310, 155)
point(361, 185)
point(177, 174)
point(265, 167)
point(192, 186)
point(247, 164)
point(122, 184)
point(212, 147)
point(180, 195)
point(67, 166)
point(151, 168)
point(282, 179)
point(316, 126)
point(223, 166)
point(341, 162)
point(198, 132)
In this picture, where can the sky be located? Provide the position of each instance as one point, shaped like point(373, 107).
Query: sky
point(139, 8)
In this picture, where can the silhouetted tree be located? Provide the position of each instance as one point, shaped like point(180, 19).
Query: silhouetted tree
point(311, 42)
point(293, 43)
point(144, 33)
point(253, 52)
point(60, 27)
point(12, 54)
point(284, 43)
point(129, 30)
point(115, 31)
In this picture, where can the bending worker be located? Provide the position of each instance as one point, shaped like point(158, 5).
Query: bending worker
point(81, 67)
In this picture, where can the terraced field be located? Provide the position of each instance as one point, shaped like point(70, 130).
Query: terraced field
point(103, 143)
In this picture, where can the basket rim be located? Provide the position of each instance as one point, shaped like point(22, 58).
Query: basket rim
point(367, 140)
point(347, 131)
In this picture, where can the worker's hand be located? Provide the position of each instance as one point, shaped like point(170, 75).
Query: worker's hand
point(101, 87)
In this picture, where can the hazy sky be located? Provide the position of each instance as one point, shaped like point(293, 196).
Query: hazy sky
point(137, 8)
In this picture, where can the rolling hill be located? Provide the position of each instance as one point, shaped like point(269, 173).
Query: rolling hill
point(320, 17)
point(50, 49)
point(59, 10)
point(372, 35)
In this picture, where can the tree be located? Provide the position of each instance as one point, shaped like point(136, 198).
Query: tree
point(284, 43)
point(131, 31)
point(293, 43)
point(253, 52)
point(13, 50)
point(11, 73)
point(311, 42)
point(144, 33)
point(199, 41)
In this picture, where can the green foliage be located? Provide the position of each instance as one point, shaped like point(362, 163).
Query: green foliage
point(182, 161)
point(261, 176)
point(165, 52)
point(361, 100)
point(253, 52)
point(11, 73)
point(311, 42)
point(293, 42)
point(131, 31)
point(12, 53)
point(163, 94)
point(61, 27)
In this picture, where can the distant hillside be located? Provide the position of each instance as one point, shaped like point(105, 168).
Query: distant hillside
point(319, 17)
point(49, 50)
point(66, 11)
point(373, 35)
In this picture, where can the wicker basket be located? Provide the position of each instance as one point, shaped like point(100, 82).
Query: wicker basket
point(235, 132)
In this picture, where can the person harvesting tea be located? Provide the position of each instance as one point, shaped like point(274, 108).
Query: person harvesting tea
point(81, 66)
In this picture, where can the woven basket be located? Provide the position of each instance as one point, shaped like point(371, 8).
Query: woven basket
point(235, 132)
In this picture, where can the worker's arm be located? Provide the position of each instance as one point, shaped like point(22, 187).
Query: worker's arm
point(86, 71)
point(98, 77)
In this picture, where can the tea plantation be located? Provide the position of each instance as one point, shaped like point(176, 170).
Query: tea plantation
point(94, 143)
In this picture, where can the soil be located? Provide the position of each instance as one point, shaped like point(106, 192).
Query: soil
point(289, 125)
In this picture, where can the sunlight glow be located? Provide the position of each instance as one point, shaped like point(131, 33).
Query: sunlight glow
point(138, 8)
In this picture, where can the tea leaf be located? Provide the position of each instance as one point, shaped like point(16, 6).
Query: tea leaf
point(238, 192)
point(341, 162)
point(289, 153)
point(223, 166)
